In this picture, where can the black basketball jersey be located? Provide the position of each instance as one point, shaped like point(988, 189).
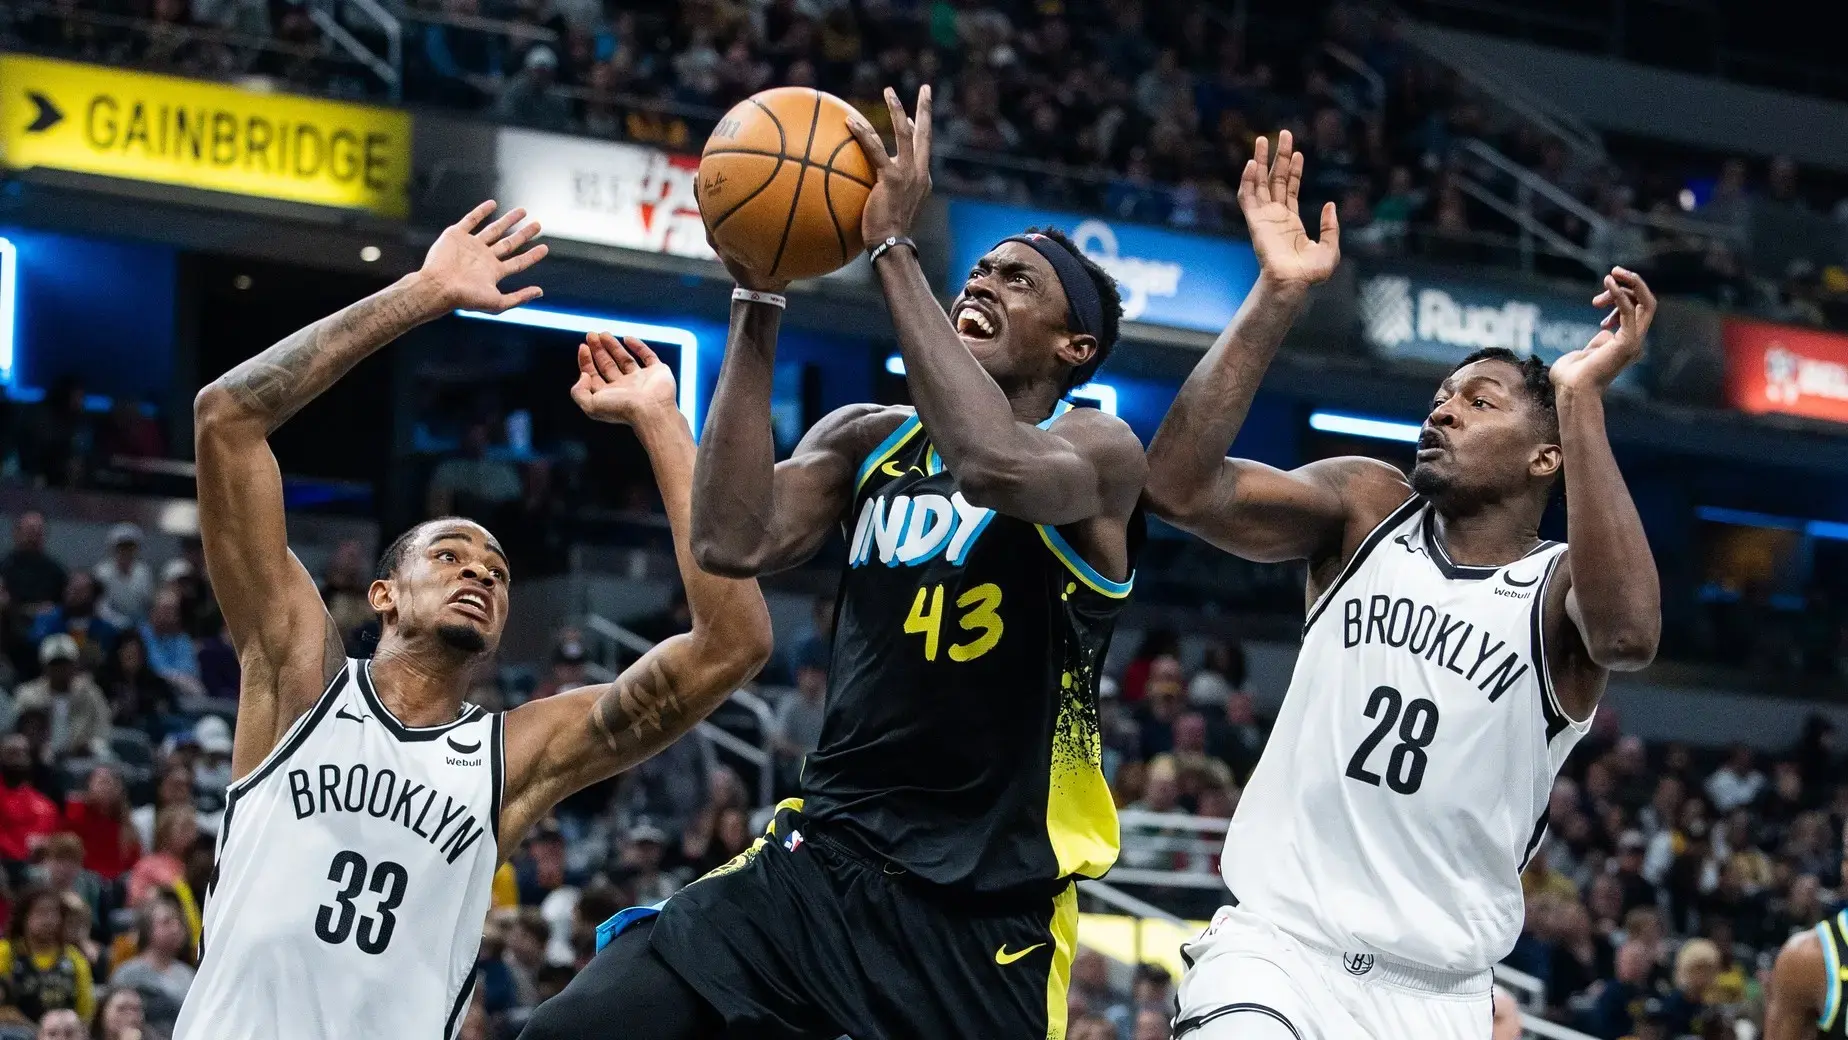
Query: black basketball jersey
point(960, 740)
point(1832, 1024)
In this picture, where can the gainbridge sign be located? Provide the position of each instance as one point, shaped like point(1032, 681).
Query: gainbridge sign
point(137, 126)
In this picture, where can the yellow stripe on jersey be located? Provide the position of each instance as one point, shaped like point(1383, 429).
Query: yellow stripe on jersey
point(1064, 951)
point(886, 449)
point(1077, 565)
point(1081, 817)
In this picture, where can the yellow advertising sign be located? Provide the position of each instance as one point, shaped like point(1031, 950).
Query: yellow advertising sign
point(202, 135)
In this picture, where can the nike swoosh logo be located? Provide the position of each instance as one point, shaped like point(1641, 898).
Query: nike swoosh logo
point(465, 749)
point(1004, 957)
point(893, 469)
point(342, 713)
point(1509, 578)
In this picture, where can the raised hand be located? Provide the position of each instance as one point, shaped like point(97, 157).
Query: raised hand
point(1267, 193)
point(1618, 343)
point(465, 266)
point(902, 183)
point(622, 381)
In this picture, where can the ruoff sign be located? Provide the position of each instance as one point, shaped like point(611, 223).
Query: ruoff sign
point(1787, 371)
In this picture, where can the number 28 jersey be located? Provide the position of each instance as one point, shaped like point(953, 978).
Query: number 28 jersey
point(355, 867)
point(1406, 781)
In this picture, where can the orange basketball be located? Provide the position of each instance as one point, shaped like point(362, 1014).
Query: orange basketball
point(782, 183)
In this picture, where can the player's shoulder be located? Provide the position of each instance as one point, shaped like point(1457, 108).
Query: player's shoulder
point(1368, 487)
point(1801, 952)
point(857, 428)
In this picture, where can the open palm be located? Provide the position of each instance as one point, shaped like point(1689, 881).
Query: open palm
point(1268, 194)
point(1618, 343)
point(621, 381)
point(467, 265)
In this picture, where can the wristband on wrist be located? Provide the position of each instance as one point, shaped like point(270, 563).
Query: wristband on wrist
point(753, 296)
point(880, 249)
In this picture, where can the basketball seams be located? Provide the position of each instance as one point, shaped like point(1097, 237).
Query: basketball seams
point(795, 197)
point(827, 193)
point(782, 138)
point(804, 161)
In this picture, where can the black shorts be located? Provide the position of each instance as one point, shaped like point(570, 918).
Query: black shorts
point(798, 939)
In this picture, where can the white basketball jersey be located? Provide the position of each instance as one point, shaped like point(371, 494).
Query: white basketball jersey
point(355, 869)
point(1407, 778)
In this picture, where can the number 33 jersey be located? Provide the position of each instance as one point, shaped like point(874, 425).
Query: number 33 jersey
point(355, 868)
point(960, 738)
point(1406, 781)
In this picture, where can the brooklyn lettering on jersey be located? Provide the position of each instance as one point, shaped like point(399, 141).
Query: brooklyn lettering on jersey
point(909, 531)
point(381, 795)
point(1423, 631)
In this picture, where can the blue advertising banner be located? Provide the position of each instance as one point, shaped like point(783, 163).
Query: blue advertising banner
point(1408, 314)
point(1166, 277)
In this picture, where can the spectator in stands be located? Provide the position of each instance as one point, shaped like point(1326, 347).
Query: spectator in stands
point(1736, 783)
point(34, 576)
point(498, 991)
point(122, 1016)
point(1156, 643)
point(137, 696)
point(170, 651)
point(525, 957)
point(76, 616)
point(55, 435)
point(1091, 1027)
point(1151, 1024)
point(343, 589)
point(100, 820)
point(62, 871)
point(1152, 990)
point(638, 865)
point(797, 728)
point(530, 100)
point(1238, 738)
point(174, 790)
point(466, 62)
point(540, 869)
point(44, 973)
point(472, 484)
point(128, 432)
point(165, 863)
point(1580, 958)
point(18, 653)
point(126, 580)
point(1697, 965)
point(62, 1024)
point(570, 664)
point(161, 971)
point(1160, 707)
point(78, 710)
point(1611, 1015)
point(1090, 984)
point(1221, 674)
point(667, 622)
point(28, 815)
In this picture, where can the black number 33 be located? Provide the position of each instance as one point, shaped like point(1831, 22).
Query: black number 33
point(1405, 770)
point(334, 923)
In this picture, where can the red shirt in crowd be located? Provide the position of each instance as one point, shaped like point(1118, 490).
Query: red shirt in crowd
point(110, 845)
point(26, 816)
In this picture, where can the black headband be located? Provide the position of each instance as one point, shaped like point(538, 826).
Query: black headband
point(1084, 309)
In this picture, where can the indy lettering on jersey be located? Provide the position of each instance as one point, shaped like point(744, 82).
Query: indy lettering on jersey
point(1425, 632)
point(381, 796)
point(909, 531)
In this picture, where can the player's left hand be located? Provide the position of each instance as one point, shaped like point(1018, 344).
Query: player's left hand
point(901, 184)
point(1618, 343)
point(622, 381)
point(464, 266)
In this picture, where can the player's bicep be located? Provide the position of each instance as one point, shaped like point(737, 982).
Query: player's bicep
point(1798, 989)
point(813, 487)
point(1087, 464)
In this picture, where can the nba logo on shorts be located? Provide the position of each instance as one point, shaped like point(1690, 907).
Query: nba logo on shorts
point(1357, 964)
point(793, 842)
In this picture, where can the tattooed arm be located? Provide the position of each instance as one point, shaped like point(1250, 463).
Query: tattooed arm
point(564, 743)
point(286, 644)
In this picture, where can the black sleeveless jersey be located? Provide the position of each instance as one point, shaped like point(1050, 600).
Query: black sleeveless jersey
point(960, 740)
point(1833, 932)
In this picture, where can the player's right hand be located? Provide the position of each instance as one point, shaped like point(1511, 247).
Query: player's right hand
point(1268, 194)
point(744, 276)
point(622, 381)
point(464, 267)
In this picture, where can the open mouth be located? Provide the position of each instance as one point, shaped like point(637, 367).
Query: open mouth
point(472, 602)
point(1431, 445)
point(971, 323)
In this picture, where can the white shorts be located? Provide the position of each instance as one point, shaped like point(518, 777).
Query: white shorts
point(1247, 978)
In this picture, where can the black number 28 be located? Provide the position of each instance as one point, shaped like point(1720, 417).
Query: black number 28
point(334, 923)
point(1405, 770)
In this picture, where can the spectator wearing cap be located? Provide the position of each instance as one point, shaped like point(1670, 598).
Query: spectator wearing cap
point(638, 865)
point(100, 819)
point(529, 99)
point(35, 578)
point(78, 711)
point(27, 814)
point(211, 736)
point(171, 653)
point(76, 616)
point(126, 580)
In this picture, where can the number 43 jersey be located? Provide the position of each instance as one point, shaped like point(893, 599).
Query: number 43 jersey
point(355, 868)
point(1406, 781)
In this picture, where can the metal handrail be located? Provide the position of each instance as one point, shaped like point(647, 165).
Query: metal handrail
point(1517, 99)
point(1376, 83)
point(394, 41)
point(203, 33)
point(760, 757)
point(1535, 183)
point(1531, 227)
point(332, 29)
point(478, 23)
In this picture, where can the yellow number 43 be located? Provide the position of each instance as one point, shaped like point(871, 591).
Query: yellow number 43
point(980, 606)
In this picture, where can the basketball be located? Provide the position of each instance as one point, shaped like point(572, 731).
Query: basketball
point(782, 183)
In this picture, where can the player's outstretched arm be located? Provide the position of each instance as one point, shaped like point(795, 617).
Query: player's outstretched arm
point(1243, 507)
point(1609, 591)
point(1083, 466)
point(1798, 988)
point(564, 743)
point(287, 646)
